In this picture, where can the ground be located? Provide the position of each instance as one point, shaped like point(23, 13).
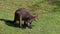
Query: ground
point(49, 16)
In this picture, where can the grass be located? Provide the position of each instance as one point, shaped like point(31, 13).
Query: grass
point(49, 16)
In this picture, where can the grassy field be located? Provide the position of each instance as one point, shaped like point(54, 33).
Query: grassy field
point(48, 12)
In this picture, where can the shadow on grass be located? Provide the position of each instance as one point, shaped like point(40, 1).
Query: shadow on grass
point(11, 23)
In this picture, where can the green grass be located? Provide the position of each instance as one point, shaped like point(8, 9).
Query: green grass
point(49, 16)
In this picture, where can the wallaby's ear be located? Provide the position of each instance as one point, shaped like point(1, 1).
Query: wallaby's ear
point(35, 17)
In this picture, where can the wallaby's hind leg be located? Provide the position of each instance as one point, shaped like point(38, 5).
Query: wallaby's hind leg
point(20, 22)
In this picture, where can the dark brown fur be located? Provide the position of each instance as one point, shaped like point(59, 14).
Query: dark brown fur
point(23, 14)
